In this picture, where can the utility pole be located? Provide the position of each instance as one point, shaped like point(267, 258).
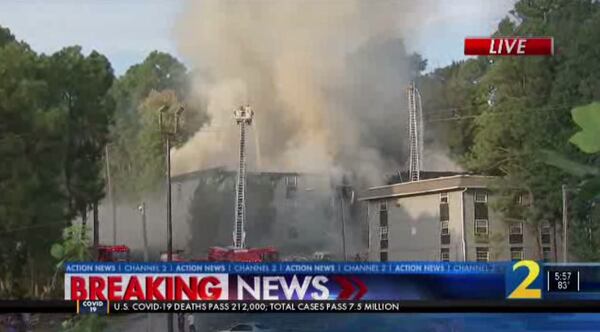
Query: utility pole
point(96, 224)
point(111, 195)
point(565, 222)
point(345, 190)
point(142, 209)
point(343, 223)
point(169, 130)
point(169, 212)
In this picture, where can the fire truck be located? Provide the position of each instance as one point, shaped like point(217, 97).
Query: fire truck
point(117, 253)
point(250, 255)
point(176, 256)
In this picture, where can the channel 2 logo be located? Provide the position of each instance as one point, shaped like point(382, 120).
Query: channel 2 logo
point(524, 281)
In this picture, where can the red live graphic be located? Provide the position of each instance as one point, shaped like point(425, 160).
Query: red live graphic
point(509, 46)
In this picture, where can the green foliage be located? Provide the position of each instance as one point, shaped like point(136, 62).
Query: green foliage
point(159, 71)
point(450, 97)
point(55, 116)
point(588, 118)
point(79, 86)
point(75, 246)
point(137, 153)
point(32, 205)
point(585, 227)
point(572, 167)
point(58, 113)
point(5, 36)
point(504, 114)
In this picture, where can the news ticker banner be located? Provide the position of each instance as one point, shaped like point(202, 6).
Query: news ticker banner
point(394, 281)
point(259, 307)
point(509, 46)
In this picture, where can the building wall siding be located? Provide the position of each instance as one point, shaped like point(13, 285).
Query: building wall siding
point(455, 225)
point(415, 220)
point(414, 229)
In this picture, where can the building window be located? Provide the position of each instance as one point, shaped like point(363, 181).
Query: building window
point(515, 232)
point(516, 228)
point(481, 227)
point(383, 256)
point(383, 206)
point(291, 186)
point(445, 239)
point(444, 232)
point(445, 254)
point(444, 219)
point(483, 254)
point(291, 181)
point(481, 197)
point(383, 244)
point(443, 198)
point(546, 254)
point(545, 232)
point(516, 253)
point(383, 214)
point(383, 233)
point(444, 212)
point(481, 210)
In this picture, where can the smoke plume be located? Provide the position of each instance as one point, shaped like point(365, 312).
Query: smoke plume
point(326, 80)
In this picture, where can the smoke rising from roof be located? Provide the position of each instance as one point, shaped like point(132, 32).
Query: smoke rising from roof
point(326, 80)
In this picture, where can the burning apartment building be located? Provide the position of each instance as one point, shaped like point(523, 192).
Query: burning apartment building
point(297, 213)
point(330, 113)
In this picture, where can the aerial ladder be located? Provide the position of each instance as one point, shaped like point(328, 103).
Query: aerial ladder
point(415, 132)
point(239, 252)
point(243, 117)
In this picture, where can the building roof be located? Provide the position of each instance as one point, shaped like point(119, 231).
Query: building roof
point(422, 187)
point(404, 176)
point(211, 171)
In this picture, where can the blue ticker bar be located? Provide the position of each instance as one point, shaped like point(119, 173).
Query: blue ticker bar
point(290, 268)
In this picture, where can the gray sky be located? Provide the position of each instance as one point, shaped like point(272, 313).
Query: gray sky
point(127, 30)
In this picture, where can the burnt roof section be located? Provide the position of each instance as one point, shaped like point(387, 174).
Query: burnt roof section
point(212, 171)
point(403, 176)
point(428, 186)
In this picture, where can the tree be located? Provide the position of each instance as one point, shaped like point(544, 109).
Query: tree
point(586, 221)
point(519, 106)
point(5, 36)
point(79, 85)
point(55, 117)
point(136, 145)
point(32, 205)
point(451, 96)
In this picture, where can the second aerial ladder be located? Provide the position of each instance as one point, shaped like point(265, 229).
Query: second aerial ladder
point(243, 117)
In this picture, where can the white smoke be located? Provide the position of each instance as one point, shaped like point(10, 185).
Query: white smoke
point(326, 80)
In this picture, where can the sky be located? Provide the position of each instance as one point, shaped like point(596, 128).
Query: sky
point(127, 30)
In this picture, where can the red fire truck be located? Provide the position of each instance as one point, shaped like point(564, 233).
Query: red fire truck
point(250, 255)
point(118, 253)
